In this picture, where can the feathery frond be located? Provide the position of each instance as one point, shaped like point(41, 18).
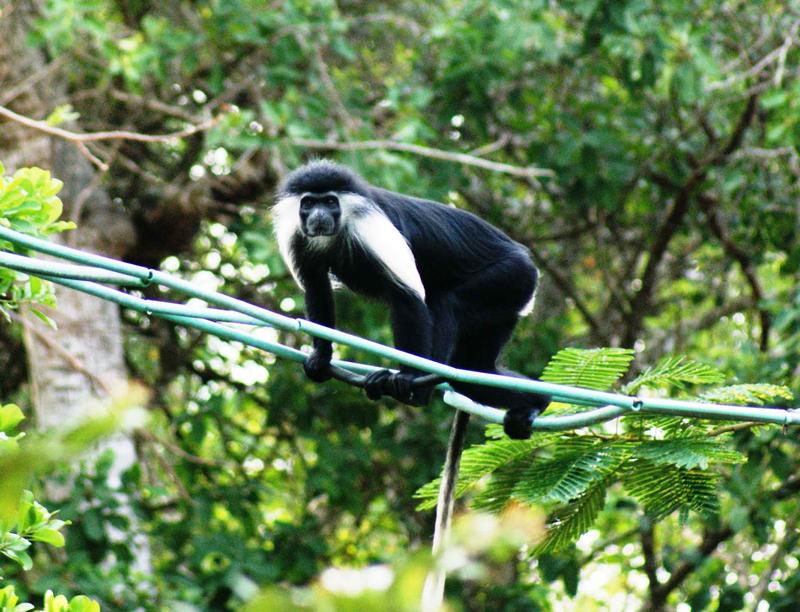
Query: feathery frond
point(663, 488)
point(478, 461)
point(688, 452)
point(591, 368)
point(566, 477)
point(758, 394)
point(569, 522)
point(675, 371)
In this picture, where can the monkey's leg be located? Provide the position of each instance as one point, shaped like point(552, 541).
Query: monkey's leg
point(445, 331)
point(477, 349)
point(412, 326)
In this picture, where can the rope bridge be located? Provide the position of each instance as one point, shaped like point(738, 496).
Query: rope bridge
point(93, 274)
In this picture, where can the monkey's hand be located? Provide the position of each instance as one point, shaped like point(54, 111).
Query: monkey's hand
point(317, 366)
point(398, 385)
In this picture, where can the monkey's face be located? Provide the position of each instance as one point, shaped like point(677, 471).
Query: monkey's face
point(320, 214)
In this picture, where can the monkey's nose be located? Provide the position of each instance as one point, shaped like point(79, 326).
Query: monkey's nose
point(320, 225)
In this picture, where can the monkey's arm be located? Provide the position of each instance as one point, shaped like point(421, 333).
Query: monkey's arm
point(320, 309)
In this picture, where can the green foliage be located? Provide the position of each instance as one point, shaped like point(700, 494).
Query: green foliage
point(52, 603)
point(593, 369)
point(23, 520)
point(571, 520)
point(45, 450)
point(32, 523)
point(662, 488)
point(28, 203)
point(753, 394)
point(675, 371)
point(571, 473)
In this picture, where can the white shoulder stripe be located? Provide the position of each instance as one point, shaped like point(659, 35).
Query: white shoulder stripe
point(379, 236)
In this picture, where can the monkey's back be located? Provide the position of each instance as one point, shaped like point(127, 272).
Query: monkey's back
point(449, 244)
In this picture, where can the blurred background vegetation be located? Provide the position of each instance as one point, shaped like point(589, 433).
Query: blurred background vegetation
point(649, 161)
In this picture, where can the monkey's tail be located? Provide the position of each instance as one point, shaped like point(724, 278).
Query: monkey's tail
point(433, 591)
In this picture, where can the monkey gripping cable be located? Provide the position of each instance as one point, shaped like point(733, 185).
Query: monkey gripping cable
point(91, 273)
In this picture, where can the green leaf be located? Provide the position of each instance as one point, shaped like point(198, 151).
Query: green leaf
point(675, 371)
point(49, 536)
point(688, 452)
point(49, 321)
point(570, 522)
point(566, 477)
point(10, 417)
point(757, 394)
point(19, 556)
point(663, 488)
point(498, 491)
point(590, 368)
point(62, 114)
point(478, 461)
point(81, 603)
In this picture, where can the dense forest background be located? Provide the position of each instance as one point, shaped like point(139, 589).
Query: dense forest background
point(645, 152)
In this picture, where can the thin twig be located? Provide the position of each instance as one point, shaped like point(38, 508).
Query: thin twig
point(731, 428)
point(391, 145)
point(152, 104)
point(175, 449)
point(492, 146)
point(77, 137)
point(80, 139)
point(778, 54)
point(15, 91)
point(711, 210)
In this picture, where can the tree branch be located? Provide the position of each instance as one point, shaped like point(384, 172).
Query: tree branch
point(80, 139)
point(641, 301)
point(531, 172)
point(710, 208)
point(711, 539)
point(647, 539)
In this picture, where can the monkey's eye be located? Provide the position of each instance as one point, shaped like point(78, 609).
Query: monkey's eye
point(331, 201)
point(307, 202)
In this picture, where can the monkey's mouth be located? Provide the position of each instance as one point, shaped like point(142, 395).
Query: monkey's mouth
point(319, 232)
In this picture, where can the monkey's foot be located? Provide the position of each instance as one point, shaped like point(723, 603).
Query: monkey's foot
point(518, 423)
point(399, 385)
point(317, 367)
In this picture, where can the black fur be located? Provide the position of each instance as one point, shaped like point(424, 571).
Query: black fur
point(476, 281)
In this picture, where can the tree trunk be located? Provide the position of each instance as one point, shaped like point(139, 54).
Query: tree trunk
point(74, 367)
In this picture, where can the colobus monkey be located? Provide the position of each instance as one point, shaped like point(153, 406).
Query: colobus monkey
point(456, 287)
point(455, 284)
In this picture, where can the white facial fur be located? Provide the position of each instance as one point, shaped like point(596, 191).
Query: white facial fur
point(365, 222)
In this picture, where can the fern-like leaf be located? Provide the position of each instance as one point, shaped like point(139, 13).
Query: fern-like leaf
point(663, 488)
point(498, 492)
point(758, 394)
point(566, 477)
point(590, 368)
point(478, 461)
point(569, 522)
point(675, 372)
point(688, 452)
